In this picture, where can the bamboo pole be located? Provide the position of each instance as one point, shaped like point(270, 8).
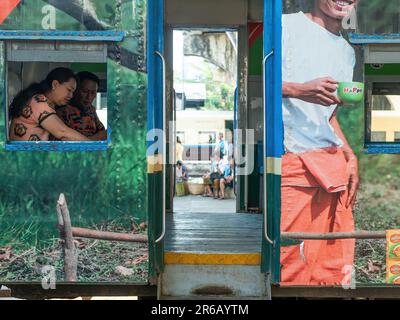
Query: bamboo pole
point(70, 254)
point(334, 235)
point(110, 236)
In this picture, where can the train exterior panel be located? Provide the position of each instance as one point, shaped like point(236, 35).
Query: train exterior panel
point(120, 191)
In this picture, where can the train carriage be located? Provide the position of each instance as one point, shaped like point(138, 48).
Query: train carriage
point(123, 188)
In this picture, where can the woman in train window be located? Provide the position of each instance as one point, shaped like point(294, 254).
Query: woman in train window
point(81, 114)
point(32, 112)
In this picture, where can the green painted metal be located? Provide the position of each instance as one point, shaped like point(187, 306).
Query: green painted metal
point(389, 69)
point(270, 261)
point(99, 186)
point(254, 194)
point(91, 67)
point(256, 56)
point(156, 251)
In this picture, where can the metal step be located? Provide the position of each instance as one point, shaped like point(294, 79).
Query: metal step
point(194, 281)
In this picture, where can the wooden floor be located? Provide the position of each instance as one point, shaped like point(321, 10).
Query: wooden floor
point(213, 232)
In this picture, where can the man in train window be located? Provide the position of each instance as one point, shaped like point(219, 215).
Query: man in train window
point(81, 115)
point(319, 169)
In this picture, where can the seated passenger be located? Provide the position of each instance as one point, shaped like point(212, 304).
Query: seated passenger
point(207, 179)
point(80, 114)
point(32, 112)
point(227, 180)
point(218, 174)
point(181, 171)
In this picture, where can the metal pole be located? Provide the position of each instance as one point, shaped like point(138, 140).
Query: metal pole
point(334, 235)
point(266, 236)
point(164, 151)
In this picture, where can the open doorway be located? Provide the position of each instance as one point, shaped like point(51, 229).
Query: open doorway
point(205, 81)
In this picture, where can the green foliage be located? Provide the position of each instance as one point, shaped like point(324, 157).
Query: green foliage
point(377, 206)
point(352, 123)
point(377, 209)
point(220, 96)
point(97, 260)
point(373, 168)
point(373, 17)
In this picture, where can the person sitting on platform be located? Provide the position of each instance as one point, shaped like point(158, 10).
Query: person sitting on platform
point(218, 174)
point(207, 178)
point(182, 172)
point(227, 180)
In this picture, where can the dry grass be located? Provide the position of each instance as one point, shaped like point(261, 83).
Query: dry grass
point(377, 209)
point(97, 261)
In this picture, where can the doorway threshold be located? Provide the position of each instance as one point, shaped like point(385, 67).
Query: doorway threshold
point(218, 238)
point(198, 204)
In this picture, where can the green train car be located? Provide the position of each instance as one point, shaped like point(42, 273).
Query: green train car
point(122, 188)
point(104, 182)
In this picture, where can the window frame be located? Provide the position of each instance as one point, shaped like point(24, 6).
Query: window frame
point(209, 132)
point(378, 132)
point(366, 40)
point(78, 36)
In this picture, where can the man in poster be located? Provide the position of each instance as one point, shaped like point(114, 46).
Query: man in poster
point(319, 169)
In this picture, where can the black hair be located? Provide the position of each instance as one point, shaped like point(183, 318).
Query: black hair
point(62, 75)
point(23, 98)
point(179, 163)
point(86, 75)
point(178, 140)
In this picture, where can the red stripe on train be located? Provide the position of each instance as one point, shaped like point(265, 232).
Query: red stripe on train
point(6, 7)
point(255, 30)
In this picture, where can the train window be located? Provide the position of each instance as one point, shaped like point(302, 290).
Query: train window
point(381, 68)
point(382, 107)
point(385, 113)
point(378, 136)
point(77, 110)
point(207, 137)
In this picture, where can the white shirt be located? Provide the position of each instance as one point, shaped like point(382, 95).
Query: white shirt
point(179, 152)
point(230, 150)
point(222, 164)
point(179, 172)
point(309, 51)
point(221, 143)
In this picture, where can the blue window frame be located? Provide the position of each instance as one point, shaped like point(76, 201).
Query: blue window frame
point(382, 81)
point(70, 36)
